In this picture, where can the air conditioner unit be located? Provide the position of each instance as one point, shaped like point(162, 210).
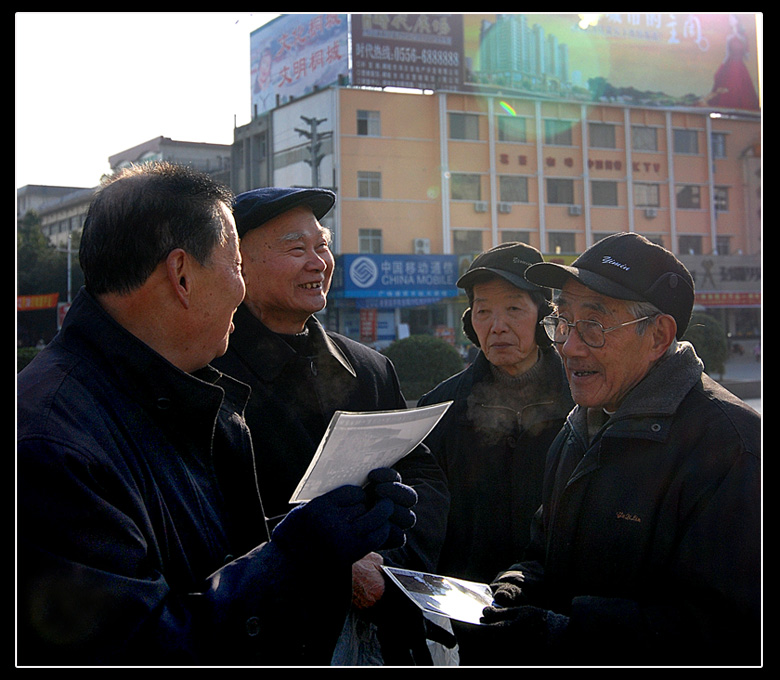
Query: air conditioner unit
point(651, 212)
point(480, 206)
point(422, 246)
point(575, 210)
point(505, 208)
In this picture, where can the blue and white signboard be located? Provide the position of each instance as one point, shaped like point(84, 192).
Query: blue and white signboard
point(396, 280)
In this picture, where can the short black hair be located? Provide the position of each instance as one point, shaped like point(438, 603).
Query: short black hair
point(142, 213)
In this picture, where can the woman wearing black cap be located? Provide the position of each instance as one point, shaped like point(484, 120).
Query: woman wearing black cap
point(508, 406)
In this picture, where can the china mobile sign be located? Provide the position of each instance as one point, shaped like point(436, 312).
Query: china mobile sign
point(400, 277)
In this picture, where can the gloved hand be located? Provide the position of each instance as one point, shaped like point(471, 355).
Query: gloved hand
point(508, 589)
point(385, 483)
point(530, 624)
point(340, 526)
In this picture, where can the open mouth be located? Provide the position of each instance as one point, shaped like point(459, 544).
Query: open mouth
point(311, 286)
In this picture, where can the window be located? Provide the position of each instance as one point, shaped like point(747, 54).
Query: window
point(718, 145)
point(561, 242)
point(557, 132)
point(465, 187)
point(369, 184)
point(644, 138)
point(724, 245)
point(512, 236)
point(721, 199)
point(370, 241)
point(686, 141)
point(560, 191)
point(464, 126)
point(511, 129)
point(368, 123)
point(601, 135)
point(513, 189)
point(604, 193)
point(688, 196)
point(690, 245)
point(466, 241)
point(647, 195)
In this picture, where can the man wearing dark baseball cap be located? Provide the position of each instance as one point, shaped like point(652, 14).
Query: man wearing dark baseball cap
point(647, 549)
point(301, 374)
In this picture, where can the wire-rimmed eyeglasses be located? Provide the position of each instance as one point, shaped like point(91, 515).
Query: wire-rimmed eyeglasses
point(591, 332)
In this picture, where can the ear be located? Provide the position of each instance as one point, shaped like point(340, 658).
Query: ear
point(664, 331)
point(178, 267)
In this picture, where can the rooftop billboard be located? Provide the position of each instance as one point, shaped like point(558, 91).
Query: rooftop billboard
point(295, 54)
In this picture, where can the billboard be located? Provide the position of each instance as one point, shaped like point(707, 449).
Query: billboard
point(419, 51)
point(295, 54)
point(642, 58)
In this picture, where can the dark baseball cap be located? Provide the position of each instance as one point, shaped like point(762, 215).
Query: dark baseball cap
point(254, 208)
point(627, 266)
point(509, 261)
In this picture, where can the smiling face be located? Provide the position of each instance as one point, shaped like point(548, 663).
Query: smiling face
point(602, 377)
point(504, 318)
point(287, 267)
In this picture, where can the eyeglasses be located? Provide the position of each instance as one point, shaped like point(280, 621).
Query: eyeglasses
point(591, 332)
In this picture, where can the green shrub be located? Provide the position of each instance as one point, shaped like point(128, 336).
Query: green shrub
point(708, 337)
point(422, 362)
point(24, 355)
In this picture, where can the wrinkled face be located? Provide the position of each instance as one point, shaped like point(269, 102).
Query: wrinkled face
point(504, 318)
point(602, 377)
point(288, 268)
point(220, 291)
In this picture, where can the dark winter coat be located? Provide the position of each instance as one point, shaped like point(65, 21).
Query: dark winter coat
point(492, 444)
point(650, 536)
point(132, 479)
point(295, 394)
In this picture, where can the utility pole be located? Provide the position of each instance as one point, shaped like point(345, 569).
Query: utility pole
point(315, 157)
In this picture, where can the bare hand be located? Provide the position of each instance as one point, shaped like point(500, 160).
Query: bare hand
point(368, 581)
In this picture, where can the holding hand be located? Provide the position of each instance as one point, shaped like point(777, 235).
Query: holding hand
point(385, 484)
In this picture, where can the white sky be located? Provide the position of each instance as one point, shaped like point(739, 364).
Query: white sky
point(92, 84)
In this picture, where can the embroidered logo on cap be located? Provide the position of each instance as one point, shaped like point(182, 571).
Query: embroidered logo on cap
point(608, 259)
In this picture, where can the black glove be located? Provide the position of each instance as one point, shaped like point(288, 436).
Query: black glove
point(508, 589)
point(339, 525)
point(385, 483)
point(531, 624)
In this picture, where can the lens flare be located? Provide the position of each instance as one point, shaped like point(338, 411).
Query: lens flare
point(507, 108)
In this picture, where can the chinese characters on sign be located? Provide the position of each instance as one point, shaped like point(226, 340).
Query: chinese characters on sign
point(421, 51)
point(295, 54)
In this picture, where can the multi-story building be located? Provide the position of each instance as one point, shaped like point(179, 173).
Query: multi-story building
point(451, 174)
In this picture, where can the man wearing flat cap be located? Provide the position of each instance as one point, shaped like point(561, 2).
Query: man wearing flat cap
point(647, 547)
point(301, 375)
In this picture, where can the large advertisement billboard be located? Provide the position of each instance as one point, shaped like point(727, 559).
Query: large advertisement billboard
point(295, 54)
point(643, 58)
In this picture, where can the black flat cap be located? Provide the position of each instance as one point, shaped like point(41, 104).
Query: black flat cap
point(254, 208)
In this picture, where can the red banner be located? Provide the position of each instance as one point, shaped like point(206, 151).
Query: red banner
point(729, 299)
point(25, 303)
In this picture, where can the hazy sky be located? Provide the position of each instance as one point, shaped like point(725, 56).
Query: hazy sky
point(92, 84)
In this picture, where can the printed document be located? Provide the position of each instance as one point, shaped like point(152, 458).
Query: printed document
point(443, 595)
point(357, 442)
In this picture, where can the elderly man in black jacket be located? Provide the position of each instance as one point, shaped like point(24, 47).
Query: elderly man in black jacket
point(648, 546)
point(301, 374)
point(141, 534)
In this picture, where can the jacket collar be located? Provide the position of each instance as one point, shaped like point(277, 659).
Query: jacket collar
point(267, 353)
point(650, 405)
point(136, 368)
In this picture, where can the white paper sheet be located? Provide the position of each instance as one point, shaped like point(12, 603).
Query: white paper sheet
point(443, 595)
point(356, 443)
